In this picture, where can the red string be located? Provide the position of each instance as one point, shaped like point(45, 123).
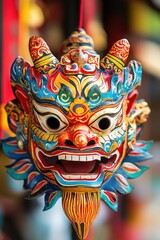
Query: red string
point(81, 14)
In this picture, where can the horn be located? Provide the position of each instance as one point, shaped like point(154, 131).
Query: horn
point(116, 58)
point(44, 61)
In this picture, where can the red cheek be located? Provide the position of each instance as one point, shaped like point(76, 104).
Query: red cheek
point(131, 100)
point(62, 138)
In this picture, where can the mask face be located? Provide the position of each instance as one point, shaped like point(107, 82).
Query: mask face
point(76, 121)
point(76, 136)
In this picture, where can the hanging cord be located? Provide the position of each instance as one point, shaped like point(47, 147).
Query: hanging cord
point(81, 14)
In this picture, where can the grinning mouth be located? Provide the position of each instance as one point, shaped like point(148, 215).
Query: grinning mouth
point(75, 166)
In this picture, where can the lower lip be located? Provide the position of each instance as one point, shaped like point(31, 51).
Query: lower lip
point(90, 176)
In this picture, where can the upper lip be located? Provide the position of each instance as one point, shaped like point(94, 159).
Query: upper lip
point(74, 151)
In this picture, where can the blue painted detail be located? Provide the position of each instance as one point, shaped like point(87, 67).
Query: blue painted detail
point(113, 206)
point(113, 185)
point(11, 149)
point(54, 200)
point(94, 183)
point(120, 85)
point(21, 159)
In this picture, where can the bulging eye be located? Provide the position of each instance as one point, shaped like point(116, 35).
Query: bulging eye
point(53, 123)
point(106, 119)
point(104, 123)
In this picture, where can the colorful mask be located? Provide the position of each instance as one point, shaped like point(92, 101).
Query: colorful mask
point(76, 122)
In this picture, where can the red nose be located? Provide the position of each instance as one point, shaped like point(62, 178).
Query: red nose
point(78, 137)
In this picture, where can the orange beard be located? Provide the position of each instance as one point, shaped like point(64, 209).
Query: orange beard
point(81, 206)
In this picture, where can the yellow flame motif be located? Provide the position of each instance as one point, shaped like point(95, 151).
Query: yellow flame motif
point(81, 206)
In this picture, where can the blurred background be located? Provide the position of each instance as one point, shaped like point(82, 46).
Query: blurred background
point(106, 21)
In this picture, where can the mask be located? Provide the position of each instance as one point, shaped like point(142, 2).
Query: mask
point(76, 122)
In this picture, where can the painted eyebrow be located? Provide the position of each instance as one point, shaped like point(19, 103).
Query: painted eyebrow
point(54, 111)
point(112, 115)
point(45, 113)
point(111, 110)
point(89, 82)
point(45, 109)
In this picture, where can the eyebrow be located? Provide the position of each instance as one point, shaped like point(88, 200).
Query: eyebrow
point(48, 108)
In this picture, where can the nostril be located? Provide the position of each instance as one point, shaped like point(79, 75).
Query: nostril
point(90, 143)
point(69, 143)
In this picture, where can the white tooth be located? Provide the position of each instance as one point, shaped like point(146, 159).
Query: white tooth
point(79, 176)
point(68, 157)
point(121, 131)
point(87, 176)
point(83, 158)
point(89, 158)
point(93, 176)
point(75, 176)
point(75, 158)
point(66, 176)
point(105, 139)
point(124, 126)
point(97, 157)
point(61, 157)
point(114, 134)
point(111, 137)
point(118, 134)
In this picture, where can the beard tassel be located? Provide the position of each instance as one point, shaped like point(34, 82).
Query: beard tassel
point(81, 207)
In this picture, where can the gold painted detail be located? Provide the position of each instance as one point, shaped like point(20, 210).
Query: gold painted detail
point(80, 189)
point(14, 112)
point(20, 143)
point(81, 207)
point(44, 60)
point(107, 175)
point(79, 106)
point(42, 135)
point(112, 62)
point(114, 146)
point(18, 116)
point(59, 81)
point(79, 110)
point(116, 60)
point(80, 140)
point(141, 113)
